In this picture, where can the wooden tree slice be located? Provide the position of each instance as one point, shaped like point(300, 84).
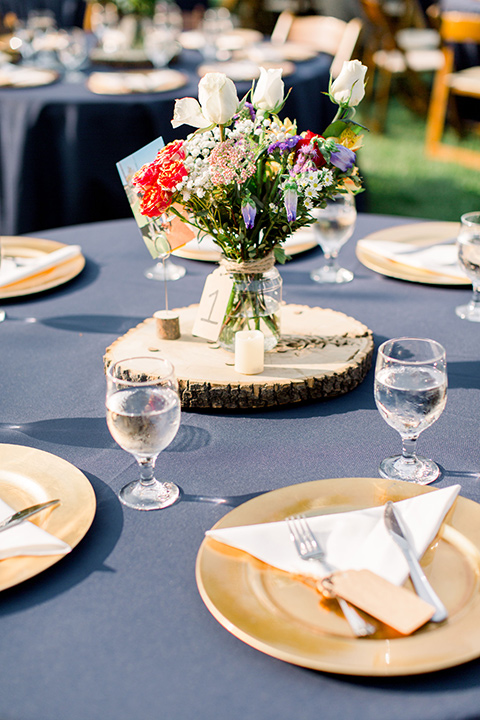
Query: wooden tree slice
point(322, 354)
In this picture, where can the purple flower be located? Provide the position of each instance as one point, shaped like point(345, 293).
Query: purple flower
point(251, 110)
point(248, 213)
point(343, 158)
point(284, 145)
point(290, 200)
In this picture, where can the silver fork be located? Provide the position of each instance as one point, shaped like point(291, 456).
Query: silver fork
point(308, 548)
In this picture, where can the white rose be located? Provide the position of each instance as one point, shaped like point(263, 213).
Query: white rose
point(218, 97)
point(187, 111)
point(218, 103)
point(268, 94)
point(349, 87)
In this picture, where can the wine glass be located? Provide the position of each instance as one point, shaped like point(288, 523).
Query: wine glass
point(73, 54)
point(468, 246)
point(410, 393)
point(333, 226)
point(143, 416)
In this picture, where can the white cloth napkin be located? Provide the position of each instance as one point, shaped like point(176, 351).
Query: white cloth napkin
point(441, 259)
point(353, 540)
point(10, 272)
point(28, 539)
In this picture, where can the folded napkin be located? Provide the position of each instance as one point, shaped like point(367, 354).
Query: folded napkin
point(11, 273)
point(27, 538)
point(440, 259)
point(353, 540)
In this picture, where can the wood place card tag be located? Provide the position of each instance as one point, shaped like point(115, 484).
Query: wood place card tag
point(395, 606)
point(213, 305)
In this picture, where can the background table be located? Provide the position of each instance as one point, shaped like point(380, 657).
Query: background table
point(59, 144)
point(117, 630)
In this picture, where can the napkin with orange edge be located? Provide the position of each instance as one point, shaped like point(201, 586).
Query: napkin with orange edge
point(11, 273)
point(354, 540)
point(26, 538)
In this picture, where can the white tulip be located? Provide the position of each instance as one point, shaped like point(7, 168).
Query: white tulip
point(349, 87)
point(218, 97)
point(268, 93)
point(187, 111)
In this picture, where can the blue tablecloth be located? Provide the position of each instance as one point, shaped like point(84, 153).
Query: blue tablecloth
point(59, 144)
point(117, 629)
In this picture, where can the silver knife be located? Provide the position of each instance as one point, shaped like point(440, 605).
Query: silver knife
point(399, 532)
point(22, 515)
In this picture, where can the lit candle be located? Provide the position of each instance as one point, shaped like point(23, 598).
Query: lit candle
point(249, 351)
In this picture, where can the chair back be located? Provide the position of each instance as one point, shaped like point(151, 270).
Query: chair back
point(323, 33)
point(457, 27)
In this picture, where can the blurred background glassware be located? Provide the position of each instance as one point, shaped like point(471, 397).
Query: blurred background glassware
point(143, 416)
point(159, 43)
point(334, 225)
point(73, 54)
point(410, 394)
point(165, 269)
point(3, 314)
point(45, 40)
point(216, 23)
point(468, 246)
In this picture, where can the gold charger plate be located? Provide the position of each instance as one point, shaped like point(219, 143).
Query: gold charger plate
point(283, 615)
point(244, 69)
point(27, 77)
point(131, 81)
point(420, 234)
point(29, 476)
point(25, 247)
point(206, 250)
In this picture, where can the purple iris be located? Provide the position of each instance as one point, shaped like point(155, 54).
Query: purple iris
point(343, 158)
point(284, 145)
point(248, 213)
point(290, 199)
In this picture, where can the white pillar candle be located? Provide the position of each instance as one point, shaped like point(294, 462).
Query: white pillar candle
point(249, 352)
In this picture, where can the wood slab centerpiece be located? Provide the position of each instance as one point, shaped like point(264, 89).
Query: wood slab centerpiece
point(322, 354)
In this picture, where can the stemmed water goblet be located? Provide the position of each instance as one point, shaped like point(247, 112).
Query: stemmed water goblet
point(468, 246)
point(334, 225)
point(410, 393)
point(143, 416)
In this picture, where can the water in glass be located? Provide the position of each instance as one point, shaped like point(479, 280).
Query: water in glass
point(468, 246)
point(410, 394)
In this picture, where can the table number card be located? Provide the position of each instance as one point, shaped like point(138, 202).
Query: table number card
point(213, 305)
point(161, 235)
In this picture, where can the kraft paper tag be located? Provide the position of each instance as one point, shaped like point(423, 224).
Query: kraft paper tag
point(213, 305)
point(395, 606)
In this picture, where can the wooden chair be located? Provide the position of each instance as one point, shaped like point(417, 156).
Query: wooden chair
point(387, 59)
point(320, 32)
point(455, 28)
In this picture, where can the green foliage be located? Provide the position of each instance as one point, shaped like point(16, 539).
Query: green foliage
point(401, 180)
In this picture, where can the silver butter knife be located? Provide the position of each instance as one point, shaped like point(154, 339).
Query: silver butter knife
point(399, 532)
point(22, 515)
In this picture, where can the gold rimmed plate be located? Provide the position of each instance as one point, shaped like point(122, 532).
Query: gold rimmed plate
point(29, 247)
point(206, 249)
point(29, 476)
point(422, 235)
point(285, 616)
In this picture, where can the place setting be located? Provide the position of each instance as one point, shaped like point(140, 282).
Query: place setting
point(30, 265)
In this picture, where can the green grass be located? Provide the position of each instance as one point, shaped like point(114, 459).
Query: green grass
point(401, 180)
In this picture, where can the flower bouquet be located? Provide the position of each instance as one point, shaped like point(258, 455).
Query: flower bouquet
point(248, 180)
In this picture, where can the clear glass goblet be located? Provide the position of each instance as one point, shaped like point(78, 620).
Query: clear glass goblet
point(333, 226)
point(410, 393)
point(468, 247)
point(143, 416)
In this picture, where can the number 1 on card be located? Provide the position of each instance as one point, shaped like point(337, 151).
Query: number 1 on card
point(213, 305)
